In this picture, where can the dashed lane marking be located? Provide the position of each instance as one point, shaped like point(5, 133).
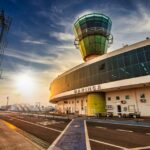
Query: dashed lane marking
point(100, 127)
point(112, 145)
point(124, 130)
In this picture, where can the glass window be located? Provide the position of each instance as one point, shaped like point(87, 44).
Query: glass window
point(127, 97)
point(120, 61)
point(98, 24)
point(125, 108)
point(115, 75)
point(127, 61)
point(134, 58)
point(109, 64)
point(147, 52)
point(102, 67)
point(129, 72)
point(144, 68)
point(148, 66)
point(142, 95)
point(83, 26)
point(136, 70)
point(122, 74)
point(109, 98)
point(114, 63)
point(141, 55)
point(90, 23)
point(117, 98)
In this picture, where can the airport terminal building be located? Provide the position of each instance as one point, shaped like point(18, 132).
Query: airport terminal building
point(116, 82)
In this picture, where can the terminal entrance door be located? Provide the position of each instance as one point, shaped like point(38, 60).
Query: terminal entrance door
point(119, 108)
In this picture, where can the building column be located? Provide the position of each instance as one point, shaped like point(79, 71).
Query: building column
point(95, 103)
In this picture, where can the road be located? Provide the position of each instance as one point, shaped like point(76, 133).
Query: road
point(106, 136)
point(47, 133)
point(102, 135)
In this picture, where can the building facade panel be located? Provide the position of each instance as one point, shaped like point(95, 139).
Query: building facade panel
point(73, 105)
point(129, 101)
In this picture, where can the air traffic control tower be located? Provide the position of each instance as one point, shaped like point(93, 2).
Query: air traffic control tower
point(93, 37)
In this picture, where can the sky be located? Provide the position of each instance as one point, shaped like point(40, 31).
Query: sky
point(40, 41)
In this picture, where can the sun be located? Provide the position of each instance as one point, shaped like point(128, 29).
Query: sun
point(25, 83)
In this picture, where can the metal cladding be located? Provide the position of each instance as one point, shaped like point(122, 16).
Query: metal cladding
point(92, 34)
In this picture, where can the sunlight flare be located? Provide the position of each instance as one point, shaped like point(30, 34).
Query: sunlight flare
point(25, 83)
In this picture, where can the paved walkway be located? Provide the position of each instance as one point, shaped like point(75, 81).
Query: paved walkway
point(73, 137)
point(11, 140)
point(124, 122)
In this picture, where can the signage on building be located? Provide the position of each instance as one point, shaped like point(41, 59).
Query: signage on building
point(88, 89)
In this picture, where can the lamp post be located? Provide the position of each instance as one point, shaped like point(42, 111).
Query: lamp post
point(7, 101)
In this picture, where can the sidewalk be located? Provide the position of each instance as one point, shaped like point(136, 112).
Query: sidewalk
point(124, 122)
point(73, 137)
point(11, 140)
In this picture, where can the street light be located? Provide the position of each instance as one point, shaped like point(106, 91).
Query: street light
point(7, 101)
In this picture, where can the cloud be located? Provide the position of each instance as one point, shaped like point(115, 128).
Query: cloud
point(33, 41)
point(29, 57)
point(135, 22)
point(67, 46)
point(62, 36)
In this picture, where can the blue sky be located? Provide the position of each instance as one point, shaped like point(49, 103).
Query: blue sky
point(40, 40)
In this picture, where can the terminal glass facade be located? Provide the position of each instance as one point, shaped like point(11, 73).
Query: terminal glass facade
point(127, 65)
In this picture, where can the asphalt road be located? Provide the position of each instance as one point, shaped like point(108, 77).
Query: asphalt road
point(48, 135)
point(104, 136)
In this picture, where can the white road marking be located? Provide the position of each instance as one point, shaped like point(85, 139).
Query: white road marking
point(148, 133)
point(36, 124)
point(88, 146)
point(59, 137)
point(101, 142)
point(76, 126)
point(100, 127)
point(138, 148)
point(124, 130)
